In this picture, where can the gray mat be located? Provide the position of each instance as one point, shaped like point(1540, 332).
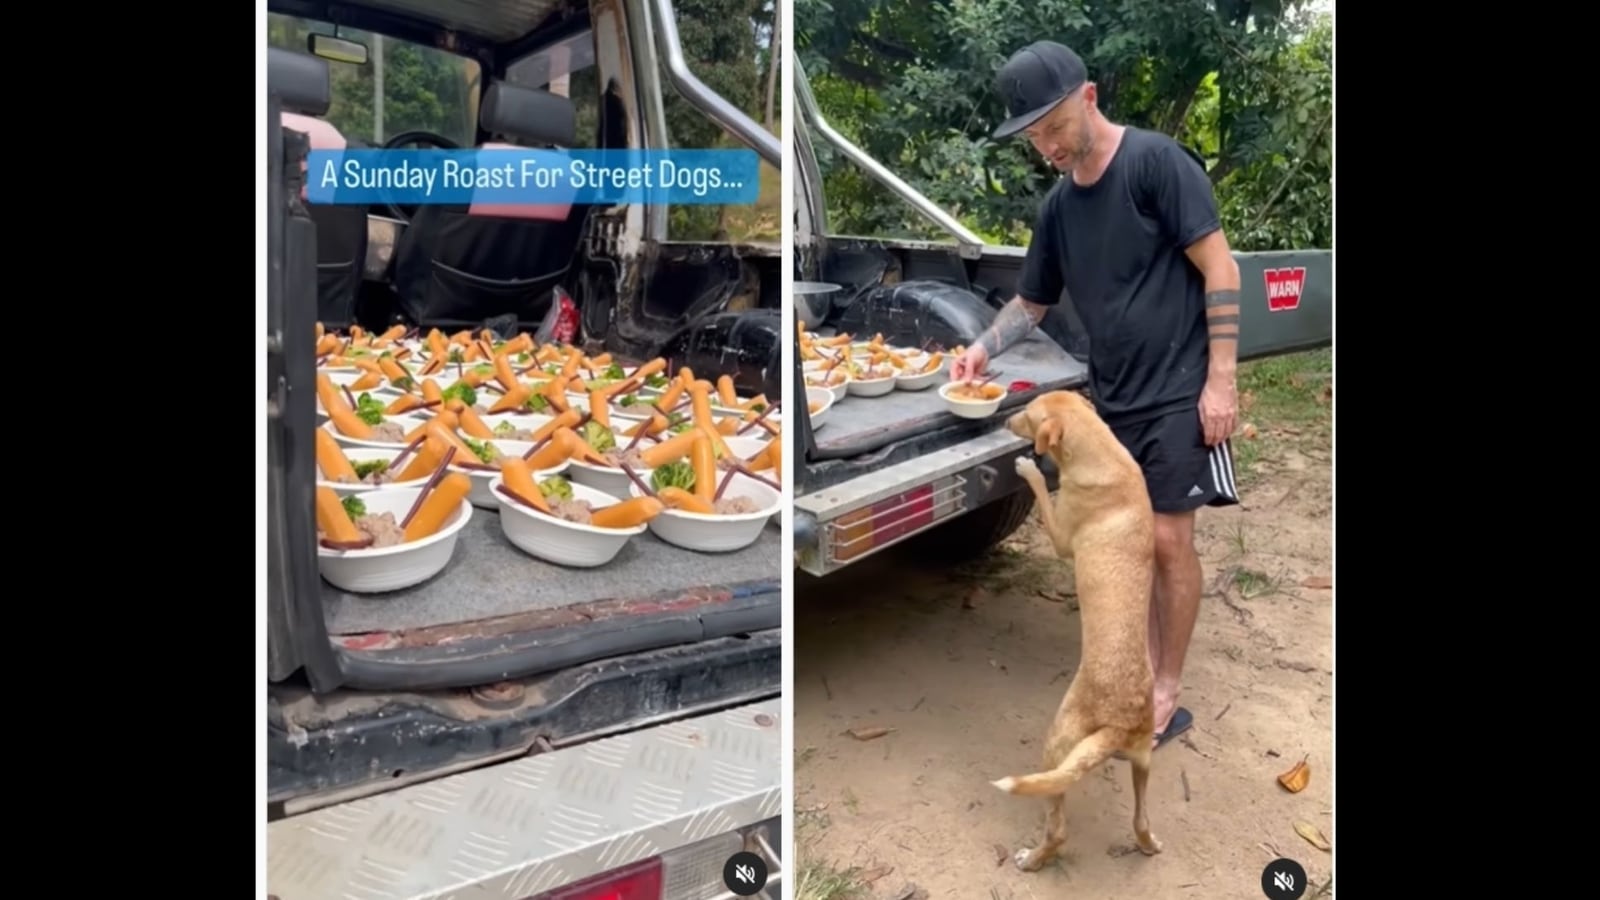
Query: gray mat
point(489, 577)
point(1036, 359)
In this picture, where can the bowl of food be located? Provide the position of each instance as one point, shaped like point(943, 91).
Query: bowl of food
point(390, 538)
point(920, 372)
point(387, 432)
point(357, 470)
point(835, 380)
point(562, 522)
point(971, 400)
point(820, 400)
point(872, 381)
point(705, 522)
point(488, 460)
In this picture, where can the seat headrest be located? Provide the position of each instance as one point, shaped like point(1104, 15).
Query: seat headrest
point(528, 114)
point(300, 80)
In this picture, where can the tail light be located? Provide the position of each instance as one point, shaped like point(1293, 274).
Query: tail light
point(691, 872)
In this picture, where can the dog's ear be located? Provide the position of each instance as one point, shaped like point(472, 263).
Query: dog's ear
point(1048, 436)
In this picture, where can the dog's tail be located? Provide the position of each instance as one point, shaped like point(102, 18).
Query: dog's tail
point(1088, 753)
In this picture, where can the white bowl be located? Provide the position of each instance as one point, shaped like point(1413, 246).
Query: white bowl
point(873, 388)
point(380, 569)
point(906, 381)
point(557, 540)
point(529, 422)
point(822, 396)
point(605, 479)
point(718, 534)
point(368, 454)
point(839, 391)
point(481, 496)
point(407, 422)
point(970, 409)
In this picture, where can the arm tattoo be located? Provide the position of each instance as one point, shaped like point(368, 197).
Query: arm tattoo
point(1222, 315)
point(1012, 324)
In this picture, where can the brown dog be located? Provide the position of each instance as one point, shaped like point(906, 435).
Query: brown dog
point(1101, 520)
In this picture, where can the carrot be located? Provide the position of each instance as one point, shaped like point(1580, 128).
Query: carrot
point(424, 462)
point(442, 501)
point(333, 521)
point(331, 460)
point(677, 498)
point(516, 475)
point(512, 400)
point(627, 514)
point(670, 450)
point(704, 460)
point(349, 424)
point(474, 425)
point(600, 408)
point(700, 400)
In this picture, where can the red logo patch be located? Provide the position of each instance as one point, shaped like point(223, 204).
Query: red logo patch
point(1284, 287)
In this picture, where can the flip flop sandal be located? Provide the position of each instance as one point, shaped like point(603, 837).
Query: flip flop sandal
point(1182, 720)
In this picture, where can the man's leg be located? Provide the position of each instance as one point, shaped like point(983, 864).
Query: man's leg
point(1182, 475)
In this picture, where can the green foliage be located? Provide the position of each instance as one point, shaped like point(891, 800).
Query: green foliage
point(1247, 82)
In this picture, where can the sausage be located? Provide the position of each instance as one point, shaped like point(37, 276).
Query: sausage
point(441, 502)
point(677, 498)
point(670, 450)
point(504, 373)
point(403, 404)
point(333, 521)
point(568, 419)
point(393, 371)
point(474, 425)
point(700, 400)
point(600, 408)
point(726, 393)
point(331, 460)
point(704, 459)
point(349, 424)
point(425, 461)
point(367, 381)
point(627, 514)
point(516, 475)
point(511, 401)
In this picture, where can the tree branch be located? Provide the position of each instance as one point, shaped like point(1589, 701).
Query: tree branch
point(1272, 199)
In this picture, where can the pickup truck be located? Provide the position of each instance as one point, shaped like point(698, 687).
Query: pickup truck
point(899, 469)
point(509, 727)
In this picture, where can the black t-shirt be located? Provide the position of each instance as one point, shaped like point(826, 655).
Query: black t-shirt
point(1117, 248)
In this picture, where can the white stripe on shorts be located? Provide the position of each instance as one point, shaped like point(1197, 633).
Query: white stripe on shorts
point(1222, 470)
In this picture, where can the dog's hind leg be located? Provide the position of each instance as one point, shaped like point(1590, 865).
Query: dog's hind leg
point(1055, 834)
point(1140, 758)
point(1029, 472)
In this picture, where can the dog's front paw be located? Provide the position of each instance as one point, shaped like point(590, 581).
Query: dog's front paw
point(1027, 860)
point(1149, 845)
point(1027, 468)
point(1006, 784)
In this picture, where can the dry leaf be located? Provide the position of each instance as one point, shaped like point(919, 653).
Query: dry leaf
point(867, 734)
point(1312, 835)
point(1248, 432)
point(872, 875)
point(1320, 582)
point(1295, 780)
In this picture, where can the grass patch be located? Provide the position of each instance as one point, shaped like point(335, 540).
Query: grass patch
point(1283, 401)
point(762, 221)
point(816, 879)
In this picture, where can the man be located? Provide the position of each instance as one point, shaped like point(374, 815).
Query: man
point(1133, 236)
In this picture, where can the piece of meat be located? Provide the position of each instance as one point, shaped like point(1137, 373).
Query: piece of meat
point(389, 433)
point(383, 528)
point(571, 510)
point(632, 458)
point(735, 506)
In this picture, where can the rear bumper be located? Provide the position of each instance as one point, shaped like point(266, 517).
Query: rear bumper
point(523, 827)
point(846, 522)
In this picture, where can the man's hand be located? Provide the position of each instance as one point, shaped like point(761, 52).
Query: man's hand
point(970, 364)
point(1219, 408)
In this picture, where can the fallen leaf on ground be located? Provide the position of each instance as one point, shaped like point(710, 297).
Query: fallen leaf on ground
point(1248, 432)
point(871, 875)
point(1295, 780)
point(1320, 582)
point(867, 734)
point(1313, 835)
point(1001, 854)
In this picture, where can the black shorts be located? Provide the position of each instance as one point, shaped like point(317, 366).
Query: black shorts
point(1180, 471)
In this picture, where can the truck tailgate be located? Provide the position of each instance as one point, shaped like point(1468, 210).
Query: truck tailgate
point(489, 578)
point(521, 827)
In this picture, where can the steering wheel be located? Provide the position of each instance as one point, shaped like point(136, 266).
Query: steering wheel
point(417, 136)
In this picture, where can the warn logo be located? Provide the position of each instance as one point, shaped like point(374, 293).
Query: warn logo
point(1284, 287)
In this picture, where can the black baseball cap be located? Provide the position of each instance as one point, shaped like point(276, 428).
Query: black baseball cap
point(1034, 80)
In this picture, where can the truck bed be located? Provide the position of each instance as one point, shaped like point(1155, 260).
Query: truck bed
point(488, 578)
point(858, 425)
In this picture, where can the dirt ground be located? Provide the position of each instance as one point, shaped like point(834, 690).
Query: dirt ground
point(965, 667)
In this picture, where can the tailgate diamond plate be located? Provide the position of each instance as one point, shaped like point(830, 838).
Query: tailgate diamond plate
point(512, 830)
